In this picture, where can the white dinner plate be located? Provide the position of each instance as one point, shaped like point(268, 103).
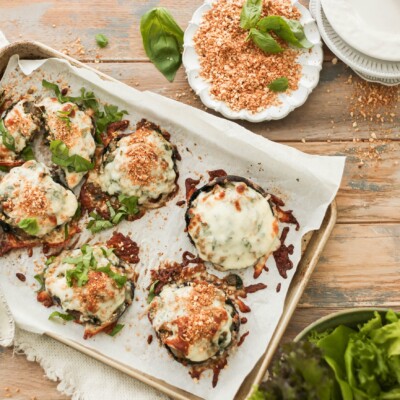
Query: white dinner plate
point(369, 68)
point(310, 60)
point(370, 26)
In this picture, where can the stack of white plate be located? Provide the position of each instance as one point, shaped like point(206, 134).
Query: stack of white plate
point(364, 34)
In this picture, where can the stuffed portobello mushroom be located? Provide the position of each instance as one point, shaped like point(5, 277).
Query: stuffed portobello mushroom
point(31, 203)
point(92, 285)
point(232, 223)
point(18, 126)
point(140, 164)
point(196, 321)
point(70, 133)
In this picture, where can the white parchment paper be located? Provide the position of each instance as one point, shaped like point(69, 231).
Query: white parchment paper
point(307, 184)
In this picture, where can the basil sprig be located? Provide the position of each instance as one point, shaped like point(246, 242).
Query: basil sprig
point(101, 40)
point(29, 225)
point(7, 139)
point(290, 31)
point(251, 13)
point(60, 156)
point(86, 262)
point(129, 206)
point(162, 40)
point(279, 85)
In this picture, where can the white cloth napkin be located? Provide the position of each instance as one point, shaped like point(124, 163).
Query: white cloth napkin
point(80, 376)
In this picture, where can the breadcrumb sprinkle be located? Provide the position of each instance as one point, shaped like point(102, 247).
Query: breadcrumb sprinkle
point(239, 72)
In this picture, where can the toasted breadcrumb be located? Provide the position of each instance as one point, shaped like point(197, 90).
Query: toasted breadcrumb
point(239, 72)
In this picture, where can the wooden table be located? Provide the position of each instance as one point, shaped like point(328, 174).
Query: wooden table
point(360, 265)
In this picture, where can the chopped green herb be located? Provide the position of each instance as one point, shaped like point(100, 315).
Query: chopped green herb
point(117, 328)
point(66, 233)
point(27, 153)
point(129, 204)
point(65, 317)
point(50, 260)
point(251, 13)
point(97, 223)
point(4, 169)
point(104, 118)
point(65, 116)
point(101, 40)
point(279, 85)
point(162, 41)
point(264, 41)
point(152, 294)
point(60, 156)
point(29, 225)
point(6, 137)
point(120, 280)
point(40, 279)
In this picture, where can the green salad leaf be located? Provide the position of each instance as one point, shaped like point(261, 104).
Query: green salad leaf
point(251, 13)
point(162, 40)
point(29, 225)
point(101, 40)
point(289, 30)
point(299, 372)
point(264, 41)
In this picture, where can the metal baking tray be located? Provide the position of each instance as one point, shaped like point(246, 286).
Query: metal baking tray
point(312, 246)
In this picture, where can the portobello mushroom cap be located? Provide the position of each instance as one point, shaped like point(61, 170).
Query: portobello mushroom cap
point(142, 164)
point(204, 326)
point(232, 223)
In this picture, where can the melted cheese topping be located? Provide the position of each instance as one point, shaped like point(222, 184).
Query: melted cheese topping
point(142, 165)
point(30, 192)
point(21, 126)
point(233, 226)
point(77, 136)
point(193, 321)
point(99, 300)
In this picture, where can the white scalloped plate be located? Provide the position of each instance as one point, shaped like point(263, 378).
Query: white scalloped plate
point(310, 61)
point(369, 68)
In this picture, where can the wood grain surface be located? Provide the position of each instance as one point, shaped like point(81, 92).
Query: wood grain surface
point(360, 265)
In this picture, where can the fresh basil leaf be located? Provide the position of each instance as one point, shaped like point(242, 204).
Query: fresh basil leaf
point(110, 114)
point(79, 164)
point(279, 85)
point(101, 40)
point(80, 274)
point(65, 317)
point(118, 217)
point(64, 116)
point(289, 30)
point(130, 203)
point(29, 225)
point(120, 280)
point(27, 153)
point(7, 139)
point(60, 156)
point(264, 41)
point(251, 13)
point(162, 40)
point(55, 89)
point(107, 252)
point(152, 294)
point(117, 328)
point(4, 169)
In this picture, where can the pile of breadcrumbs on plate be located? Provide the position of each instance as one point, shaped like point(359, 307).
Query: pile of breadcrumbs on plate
point(238, 70)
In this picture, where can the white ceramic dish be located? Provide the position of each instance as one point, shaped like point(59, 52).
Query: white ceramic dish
point(371, 69)
point(370, 26)
point(310, 61)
